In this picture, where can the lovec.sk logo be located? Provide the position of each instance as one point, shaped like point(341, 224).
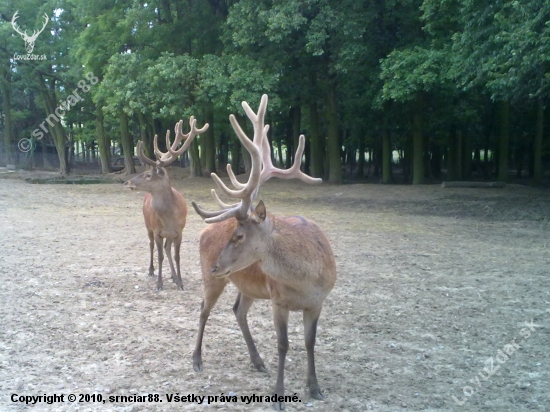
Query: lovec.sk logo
point(29, 40)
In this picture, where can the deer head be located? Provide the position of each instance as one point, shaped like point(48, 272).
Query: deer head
point(156, 178)
point(29, 40)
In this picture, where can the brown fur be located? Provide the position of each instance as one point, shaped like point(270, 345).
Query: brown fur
point(165, 214)
point(296, 273)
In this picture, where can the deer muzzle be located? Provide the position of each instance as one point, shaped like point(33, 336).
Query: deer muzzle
point(129, 185)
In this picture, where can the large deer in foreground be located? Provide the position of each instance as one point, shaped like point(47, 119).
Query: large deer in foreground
point(287, 260)
point(164, 208)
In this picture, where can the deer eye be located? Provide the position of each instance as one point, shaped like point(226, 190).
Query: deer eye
point(239, 236)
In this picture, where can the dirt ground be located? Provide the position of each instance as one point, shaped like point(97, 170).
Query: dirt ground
point(432, 285)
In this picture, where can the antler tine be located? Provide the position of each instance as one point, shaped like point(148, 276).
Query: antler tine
point(220, 203)
point(244, 192)
point(164, 159)
point(158, 153)
point(142, 157)
point(255, 155)
point(257, 120)
point(293, 172)
point(189, 137)
point(234, 180)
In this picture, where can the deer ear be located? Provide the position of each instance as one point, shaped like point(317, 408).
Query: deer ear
point(260, 211)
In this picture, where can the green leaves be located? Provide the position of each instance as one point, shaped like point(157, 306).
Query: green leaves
point(407, 72)
point(504, 46)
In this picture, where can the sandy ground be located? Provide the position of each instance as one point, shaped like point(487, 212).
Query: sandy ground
point(433, 284)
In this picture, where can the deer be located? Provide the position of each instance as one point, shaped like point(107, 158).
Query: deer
point(164, 208)
point(287, 260)
point(29, 40)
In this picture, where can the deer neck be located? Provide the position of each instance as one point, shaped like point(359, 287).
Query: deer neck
point(163, 199)
point(282, 256)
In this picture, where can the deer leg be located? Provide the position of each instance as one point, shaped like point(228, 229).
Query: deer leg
point(240, 308)
point(158, 241)
point(212, 291)
point(280, 318)
point(177, 245)
point(152, 249)
point(310, 331)
point(168, 251)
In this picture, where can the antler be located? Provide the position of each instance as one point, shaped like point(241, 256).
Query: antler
point(294, 172)
point(14, 24)
point(260, 153)
point(37, 32)
point(243, 192)
point(164, 159)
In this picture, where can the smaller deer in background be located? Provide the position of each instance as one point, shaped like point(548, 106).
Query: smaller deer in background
point(164, 208)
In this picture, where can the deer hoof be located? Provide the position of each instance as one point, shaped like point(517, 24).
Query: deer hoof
point(261, 367)
point(279, 406)
point(316, 393)
point(159, 288)
point(197, 366)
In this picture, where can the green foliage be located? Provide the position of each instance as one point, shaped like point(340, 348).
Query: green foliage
point(407, 72)
point(169, 59)
point(504, 46)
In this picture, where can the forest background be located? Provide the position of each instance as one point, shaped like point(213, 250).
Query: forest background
point(408, 91)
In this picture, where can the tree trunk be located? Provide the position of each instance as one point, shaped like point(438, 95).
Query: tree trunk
point(504, 141)
point(454, 158)
point(223, 151)
point(280, 152)
point(435, 163)
point(104, 152)
point(235, 154)
point(127, 144)
point(317, 142)
point(418, 142)
point(377, 158)
point(537, 146)
point(209, 142)
point(466, 157)
point(407, 157)
point(386, 151)
point(333, 145)
point(85, 156)
point(458, 154)
point(195, 167)
point(56, 128)
point(144, 136)
point(5, 87)
point(361, 161)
